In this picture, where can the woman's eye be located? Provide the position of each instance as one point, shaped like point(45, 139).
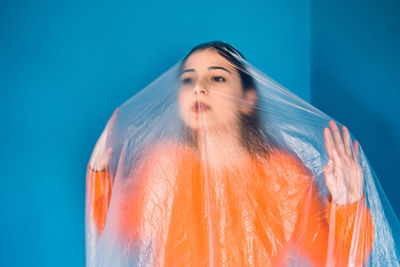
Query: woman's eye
point(219, 79)
point(187, 81)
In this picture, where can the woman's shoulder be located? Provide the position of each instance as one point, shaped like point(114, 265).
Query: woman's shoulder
point(162, 159)
point(167, 153)
point(285, 163)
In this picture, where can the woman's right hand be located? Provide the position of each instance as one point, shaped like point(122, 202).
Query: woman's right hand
point(102, 154)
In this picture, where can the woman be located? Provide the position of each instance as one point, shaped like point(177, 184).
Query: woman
point(227, 196)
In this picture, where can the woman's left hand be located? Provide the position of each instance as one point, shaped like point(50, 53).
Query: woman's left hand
point(343, 173)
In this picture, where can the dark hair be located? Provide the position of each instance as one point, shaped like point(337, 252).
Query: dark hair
point(231, 54)
point(253, 137)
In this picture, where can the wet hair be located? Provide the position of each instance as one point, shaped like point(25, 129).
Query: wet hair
point(252, 136)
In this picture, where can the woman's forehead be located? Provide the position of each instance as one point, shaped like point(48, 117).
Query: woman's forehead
point(205, 59)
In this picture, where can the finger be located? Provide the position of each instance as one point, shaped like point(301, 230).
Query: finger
point(111, 121)
point(337, 159)
point(333, 154)
point(328, 141)
point(114, 115)
point(356, 150)
point(110, 151)
point(346, 138)
point(100, 144)
point(338, 139)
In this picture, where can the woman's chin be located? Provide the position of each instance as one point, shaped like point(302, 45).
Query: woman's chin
point(205, 122)
point(200, 124)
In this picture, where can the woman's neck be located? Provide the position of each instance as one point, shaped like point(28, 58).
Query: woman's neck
point(221, 148)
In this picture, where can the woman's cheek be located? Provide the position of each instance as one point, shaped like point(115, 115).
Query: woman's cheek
point(183, 101)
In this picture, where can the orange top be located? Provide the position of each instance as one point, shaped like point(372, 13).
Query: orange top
point(257, 214)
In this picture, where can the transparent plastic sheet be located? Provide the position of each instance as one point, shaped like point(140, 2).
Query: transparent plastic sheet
point(225, 167)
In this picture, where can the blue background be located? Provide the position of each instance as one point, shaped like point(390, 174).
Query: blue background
point(66, 65)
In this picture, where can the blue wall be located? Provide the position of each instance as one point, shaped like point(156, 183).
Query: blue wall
point(66, 65)
point(356, 78)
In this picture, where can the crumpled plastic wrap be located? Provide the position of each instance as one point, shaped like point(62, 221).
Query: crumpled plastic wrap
point(216, 164)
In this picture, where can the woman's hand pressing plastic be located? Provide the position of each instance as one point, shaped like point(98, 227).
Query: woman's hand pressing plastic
point(343, 174)
point(102, 154)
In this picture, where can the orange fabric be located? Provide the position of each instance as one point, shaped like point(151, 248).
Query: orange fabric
point(98, 187)
point(254, 214)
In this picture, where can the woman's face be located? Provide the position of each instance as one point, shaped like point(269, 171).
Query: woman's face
point(211, 93)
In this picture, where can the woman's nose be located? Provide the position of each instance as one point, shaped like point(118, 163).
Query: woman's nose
point(199, 89)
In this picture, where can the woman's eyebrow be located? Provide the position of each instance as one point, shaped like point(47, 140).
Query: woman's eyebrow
point(210, 68)
point(216, 67)
point(187, 70)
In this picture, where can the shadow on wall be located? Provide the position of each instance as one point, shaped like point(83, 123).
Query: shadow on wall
point(376, 135)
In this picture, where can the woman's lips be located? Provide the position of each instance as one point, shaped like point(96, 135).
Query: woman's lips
point(199, 106)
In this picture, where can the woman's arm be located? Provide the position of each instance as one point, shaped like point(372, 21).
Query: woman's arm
point(339, 235)
point(342, 233)
point(98, 195)
point(98, 182)
point(328, 235)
